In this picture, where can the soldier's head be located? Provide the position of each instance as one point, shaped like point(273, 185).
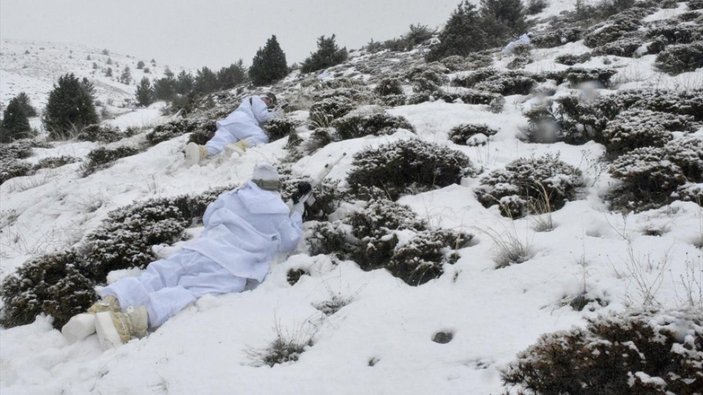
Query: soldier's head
point(269, 98)
point(265, 177)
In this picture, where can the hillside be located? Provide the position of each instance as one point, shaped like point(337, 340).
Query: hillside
point(465, 208)
point(34, 67)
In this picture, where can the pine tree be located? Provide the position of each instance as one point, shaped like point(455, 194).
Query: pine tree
point(108, 72)
point(145, 94)
point(462, 35)
point(501, 20)
point(205, 81)
point(165, 89)
point(184, 83)
point(269, 63)
point(229, 77)
point(126, 76)
point(15, 124)
point(70, 107)
point(26, 105)
point(328, 54)
point(140, 65)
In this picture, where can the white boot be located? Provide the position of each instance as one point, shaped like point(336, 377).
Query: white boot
point(82, 325)
point(195, 153)
point(79, 327)
point(115, 329)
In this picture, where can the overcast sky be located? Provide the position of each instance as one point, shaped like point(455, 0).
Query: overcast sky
point(214, 33)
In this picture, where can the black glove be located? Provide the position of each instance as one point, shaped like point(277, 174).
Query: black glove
point(304, 189)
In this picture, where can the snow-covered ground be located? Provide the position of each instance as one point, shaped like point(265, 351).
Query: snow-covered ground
point(381, 342)
point(33, 67)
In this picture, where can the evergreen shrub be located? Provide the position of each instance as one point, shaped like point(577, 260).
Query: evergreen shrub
point(407, 166)
point(101, 158)
point(556, 37)
point(641, 352)
point(650, 176)
point(635, 128)
point(369, 236)
point(51, 284)
point(100, 133)
point(279, 128)
point(369, 120)
point(625, 46)
point(530, 186)
point(331, 108)
point(461, 134)
point(389, 86)
point(680, 58)
point(179, 127)
point(571, 59)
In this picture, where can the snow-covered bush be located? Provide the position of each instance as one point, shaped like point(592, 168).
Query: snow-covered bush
point(422, 257)
point(381, 215)
point(462, 133)
point(576, 76)
point(370, 237)
point(54, 162)
point(635, 128)
point(644, 352)
point(11, 168)
point(369, 120)
point(471, 78)
point(614, 28)
point(533, 7)
point(294, 275)
point(530, 186)
point(407, 166)
point(330, 238)
point(556, 37)
point(571, 59)
point(674, 33)
point(576, 119)
point(330, 108)
point(695, 4)
point(472, 61)
point(101, 158)
point(279, 128)
point(508, 83)
point(18, 149)
point(687, 153)
point(492, 80)
point(520, 61)
point(684, 102)
point(99, 133)
point(690, 192)
point(651, 175)
point(472, 96)
point(676, 59)
point(625, 46)
point(180, 127)
point(428, 78)
point(52, 284)
point(389, 86)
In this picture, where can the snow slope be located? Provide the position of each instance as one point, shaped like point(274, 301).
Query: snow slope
point(34, 67)
point(381, 341)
